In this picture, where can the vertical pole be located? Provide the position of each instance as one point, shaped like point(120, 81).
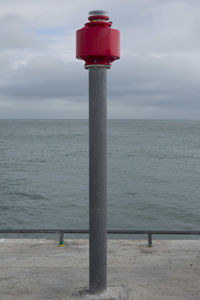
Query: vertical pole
point(97, 179)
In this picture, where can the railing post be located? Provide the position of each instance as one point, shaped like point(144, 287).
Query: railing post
point(149, 239)
point(61, 241)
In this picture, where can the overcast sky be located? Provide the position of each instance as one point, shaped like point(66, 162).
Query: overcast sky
point(157, 77)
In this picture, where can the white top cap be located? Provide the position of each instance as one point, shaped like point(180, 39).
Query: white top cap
point(98, 13)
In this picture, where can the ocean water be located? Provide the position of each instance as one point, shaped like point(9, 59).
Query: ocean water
point(153, 174)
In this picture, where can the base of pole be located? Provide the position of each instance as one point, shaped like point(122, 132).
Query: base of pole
point(112, 293)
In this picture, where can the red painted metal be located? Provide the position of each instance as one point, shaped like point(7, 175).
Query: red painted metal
point(97, 43)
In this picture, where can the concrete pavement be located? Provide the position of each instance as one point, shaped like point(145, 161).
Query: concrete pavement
point(34, 269)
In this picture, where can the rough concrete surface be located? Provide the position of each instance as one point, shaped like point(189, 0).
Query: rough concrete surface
point(39, 269)
point(112, 293)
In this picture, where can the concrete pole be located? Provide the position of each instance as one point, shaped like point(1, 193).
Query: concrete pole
point(97, 179)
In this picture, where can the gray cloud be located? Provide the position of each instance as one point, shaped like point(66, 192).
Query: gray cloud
point(16, 33)
point(46, 77)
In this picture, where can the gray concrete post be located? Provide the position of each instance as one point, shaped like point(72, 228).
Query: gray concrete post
point(97, 179)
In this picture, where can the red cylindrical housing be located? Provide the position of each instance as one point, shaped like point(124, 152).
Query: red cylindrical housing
point(97, 43)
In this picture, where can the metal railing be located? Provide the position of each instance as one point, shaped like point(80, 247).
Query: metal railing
point(61, 232)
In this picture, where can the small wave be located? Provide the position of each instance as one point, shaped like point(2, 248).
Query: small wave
point(73, 153)
point(37, 161)
point(32, 196)
point(132, 194)
point(4, 207)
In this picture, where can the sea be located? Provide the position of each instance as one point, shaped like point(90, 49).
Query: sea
point(153, 174)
